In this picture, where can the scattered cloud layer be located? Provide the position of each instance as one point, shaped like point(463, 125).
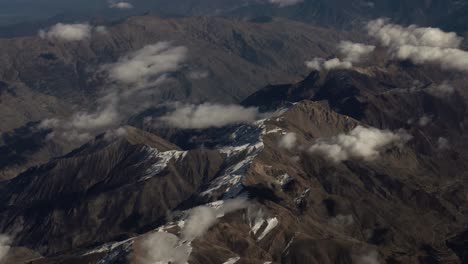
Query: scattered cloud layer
point(67, 32)
point(209, 115)
point(284, 3)
point(361, 142)
point(162, 247)
point(354, 52)
point(319, 63)
point(421, 45)
point(120, 5)
point(199, 221)
point(350, 52)
point(288, 141)
point(146, 66)
point(132, 81)
point(392, 35)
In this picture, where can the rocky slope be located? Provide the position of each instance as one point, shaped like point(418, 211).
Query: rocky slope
point(331, 192)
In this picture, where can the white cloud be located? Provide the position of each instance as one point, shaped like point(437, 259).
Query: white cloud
point(284, 3)
point(101, 30)
point(67, 32)
point(49, 123)
point(335, 63)
point(342, 220)
point(361, 142)
point(288, 141)
point(95, 121)
point(201, 218)
point(4, 246)
point(354, 52)
point(391, 35)
point(371, 257)
point(196, 75)
point(424, 120)
point(82, 126)
point(209, 115)
point(315, 64)
point(451, 59)
point(199, 221)
point(443, 143)
point(421, 45)
point(146, 66)
point(162, 247)
point(442, 90)
point(121, 5)
point(351, 52)
point(134, 74)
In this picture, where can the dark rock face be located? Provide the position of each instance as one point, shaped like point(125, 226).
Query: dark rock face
point(78, 200)
point(459, 244)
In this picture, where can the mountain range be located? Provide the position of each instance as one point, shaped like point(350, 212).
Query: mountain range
point(236, 132)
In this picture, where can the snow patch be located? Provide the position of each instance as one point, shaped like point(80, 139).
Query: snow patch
point(109, 247)
point(272, 223)
point(246, 144)
point(162, 159)
point(232, 260)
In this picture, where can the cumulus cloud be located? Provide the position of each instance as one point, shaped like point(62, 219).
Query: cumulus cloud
point(442, 143)
point(392, 35)
point(424, 120)
point(442, 90)
point(284, 3)
point(354, 52)
point(335, 63)
point(196, 75)
point(147, 65)
point(201, 218)
point(82, 126)
point(4, 246)
point(101, 30)
point(95, 121)
point(209, 115)
point(120, 5)
point(288, 141)
point(361, 142)
point(163, 247)
point(133, 79)
point(451, 59)
point(351, 53)
point(420, 44)
point(199, 221)
point(315, 64)
point(371, 257)
point(67, 32)
point(342, 220)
